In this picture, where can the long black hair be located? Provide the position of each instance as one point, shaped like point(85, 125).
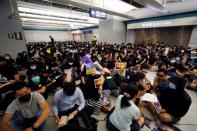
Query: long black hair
point(129, 93)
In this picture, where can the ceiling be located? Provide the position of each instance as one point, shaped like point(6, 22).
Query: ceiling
point(34, 15)
point(74, 14)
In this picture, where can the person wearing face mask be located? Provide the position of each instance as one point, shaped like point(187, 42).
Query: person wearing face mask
point(9, 59)
point(27, 112)
point(8, 71)
point(8, 76)
point(38, 84)
point(64, 104)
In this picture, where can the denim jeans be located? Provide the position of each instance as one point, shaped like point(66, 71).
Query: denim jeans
point(21, 124)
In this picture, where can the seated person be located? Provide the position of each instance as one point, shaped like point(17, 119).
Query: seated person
point(126, 115)
point(8, 76)
point(161, 81)
point(192, 81)
point(95, 95)
point(8, 72)
point(65, 104)
point(9, 59)
point(38, 83)
point(98, 67)
point(27, 112)
point(175, 101)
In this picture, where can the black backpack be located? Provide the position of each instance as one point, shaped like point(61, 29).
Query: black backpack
point(109, 83)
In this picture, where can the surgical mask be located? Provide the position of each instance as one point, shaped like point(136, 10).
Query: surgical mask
point(7, 57)
point(70, 63)
point(172, 86)
point(25, 98)
point(172, 61)
point(33, 67)
point(36, 79)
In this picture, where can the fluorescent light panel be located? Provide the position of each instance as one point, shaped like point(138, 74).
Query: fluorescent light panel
point(23, 15)
point(52, 21)
point(56, 13)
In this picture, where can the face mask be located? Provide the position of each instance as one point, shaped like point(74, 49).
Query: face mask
point(70, 63)
point(7, 57)
point(172, 61)
point(25, 98)
point(33, 67)
point(36, 79)
point(172, 86)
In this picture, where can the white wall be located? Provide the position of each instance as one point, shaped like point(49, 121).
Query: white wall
point(95, 32)
point(43, 35)
point(193, 38)
point(88, 36)
point(130, 36)
point(11, 46)
point(112, 30)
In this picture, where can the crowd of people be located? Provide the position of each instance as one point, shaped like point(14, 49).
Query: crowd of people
point(88, 73)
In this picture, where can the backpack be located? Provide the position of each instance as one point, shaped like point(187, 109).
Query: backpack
point(109, 83)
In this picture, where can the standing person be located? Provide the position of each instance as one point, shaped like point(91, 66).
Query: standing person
point(94, 40)
point(52, 40)
point(27, 112)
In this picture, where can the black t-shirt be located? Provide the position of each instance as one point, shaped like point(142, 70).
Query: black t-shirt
point(52, 41)
point(35, 87)
point(175, 103)
point(8, 71)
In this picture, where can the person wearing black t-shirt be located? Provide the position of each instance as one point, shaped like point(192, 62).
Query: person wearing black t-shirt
point(8, 71)
point(38, 84)
point(8, 76)
point(52, 40)
point(175, 102)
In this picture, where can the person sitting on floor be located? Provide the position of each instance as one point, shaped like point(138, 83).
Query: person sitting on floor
point(27, 112)
point(65, 104)
point(175, 101)
point(126, 115)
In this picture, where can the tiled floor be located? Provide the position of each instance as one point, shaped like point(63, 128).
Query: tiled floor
point(187, 123)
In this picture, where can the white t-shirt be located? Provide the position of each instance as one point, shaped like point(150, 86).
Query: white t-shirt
point(122, 118)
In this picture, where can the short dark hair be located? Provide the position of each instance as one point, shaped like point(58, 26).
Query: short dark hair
point(138, 76)
point(19, 85)
point(163, 70)
point(69, 88)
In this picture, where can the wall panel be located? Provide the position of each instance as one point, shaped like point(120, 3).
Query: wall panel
point(172, 35)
